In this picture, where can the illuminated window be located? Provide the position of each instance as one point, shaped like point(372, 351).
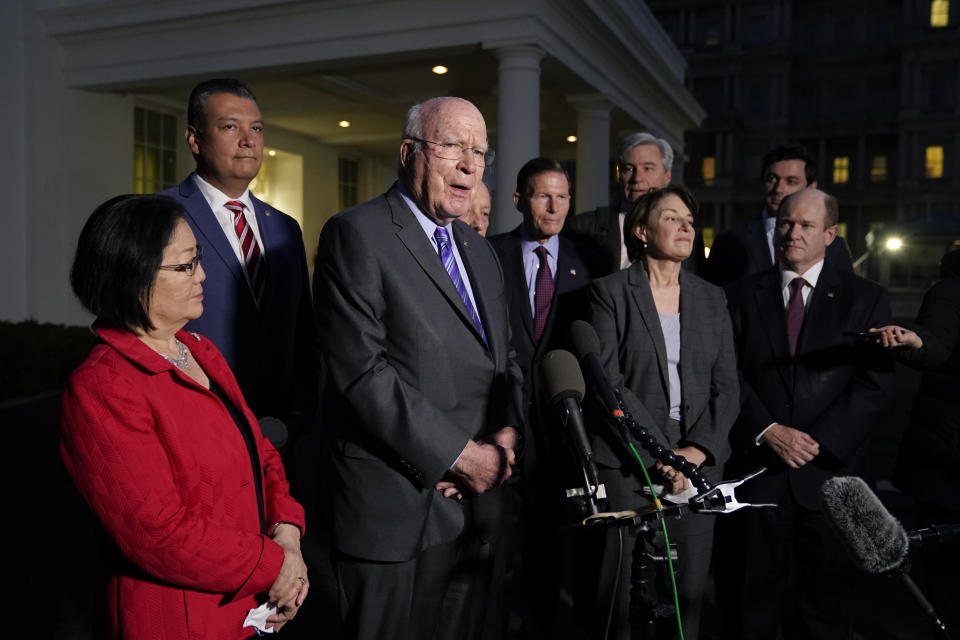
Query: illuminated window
point(709, 170)
point(939, 13)
point(841, 170)
point(154, 150)
point(934, 162)
point(878, 169)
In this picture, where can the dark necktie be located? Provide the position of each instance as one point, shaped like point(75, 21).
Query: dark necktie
point(543, 292)
point(450, 264)
point(795, 312)
point(249, 248)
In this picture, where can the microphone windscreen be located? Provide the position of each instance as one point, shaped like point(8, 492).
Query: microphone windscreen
point(562, 376)
point(584, 338)
point(876, 540)
point(274, 430)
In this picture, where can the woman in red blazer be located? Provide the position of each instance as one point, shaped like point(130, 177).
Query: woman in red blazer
point(157, 437)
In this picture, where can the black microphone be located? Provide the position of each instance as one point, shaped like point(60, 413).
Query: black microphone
point(587, 346)
point(274, 430)
point(876, 540)
point(564, 384)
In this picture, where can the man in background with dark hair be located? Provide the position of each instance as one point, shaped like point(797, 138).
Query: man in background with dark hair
point(748, 247)
point(643, 163)
point(810, 395)
point(546, 277)
point(257, 307)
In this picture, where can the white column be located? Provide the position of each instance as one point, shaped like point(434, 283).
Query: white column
point(518, 128)
point(593, 151)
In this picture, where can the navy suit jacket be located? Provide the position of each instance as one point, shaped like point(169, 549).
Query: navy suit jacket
point(835, 388)
point(272, 349)
point(743, 250)
point(408, 379)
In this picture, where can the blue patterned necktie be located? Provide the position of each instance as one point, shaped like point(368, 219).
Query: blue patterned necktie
point(450, 264)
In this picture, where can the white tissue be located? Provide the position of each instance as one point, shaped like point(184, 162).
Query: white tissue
point(257, 618)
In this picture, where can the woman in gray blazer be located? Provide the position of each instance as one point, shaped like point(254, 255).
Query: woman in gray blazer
point(667, 343)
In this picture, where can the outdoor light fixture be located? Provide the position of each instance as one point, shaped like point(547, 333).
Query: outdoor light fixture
point(344, 123)
point(571, 138)
point(894, 243)
point(439, 69)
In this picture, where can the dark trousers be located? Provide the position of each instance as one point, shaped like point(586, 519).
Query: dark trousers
point(438, 595)
point(693, 537)
point(784, 571)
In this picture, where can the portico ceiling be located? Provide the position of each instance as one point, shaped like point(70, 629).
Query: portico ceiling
point(315, 63)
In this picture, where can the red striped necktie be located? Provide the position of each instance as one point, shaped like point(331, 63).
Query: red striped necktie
point(252, 261)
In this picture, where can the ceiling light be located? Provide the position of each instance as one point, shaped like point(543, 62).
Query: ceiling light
point(439, 69)
point(571, 138)
point(344, 123)
point(894, 243)
point(272, 152)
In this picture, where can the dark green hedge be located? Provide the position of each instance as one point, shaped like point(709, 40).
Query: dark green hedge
point(36, 358)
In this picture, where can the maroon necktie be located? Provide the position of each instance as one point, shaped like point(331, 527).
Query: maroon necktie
point(543, 292)
point(248, 247)
point(795, 312)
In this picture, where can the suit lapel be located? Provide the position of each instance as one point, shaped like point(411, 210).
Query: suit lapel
point(213, 237)
point(482, 298)
point(822, 317)
point(264, 214)
point(761, 256)
point(416, 242)
point(643, 297)
point(519, 284)
point(769, 301)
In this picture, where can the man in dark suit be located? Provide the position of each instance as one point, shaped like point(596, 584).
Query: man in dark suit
point(546, 278)
point(422, 393)
point(257, 307)
point(643, 163)
point(748, 248)
point(810, 396)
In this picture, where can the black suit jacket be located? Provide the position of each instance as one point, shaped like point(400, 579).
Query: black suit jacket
point(600, 231)
point(409, 380)
point(835, 387)
point(930, 449)
point(576, 267)
point(743, 250)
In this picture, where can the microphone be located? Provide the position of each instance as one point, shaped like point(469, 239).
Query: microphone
point(564, 384)
point(274, 430)
point(586, 344)
point(876, 540)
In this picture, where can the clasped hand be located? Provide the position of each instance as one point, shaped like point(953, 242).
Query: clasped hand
point(796, 448)
point(290, 588)
point(482, 465)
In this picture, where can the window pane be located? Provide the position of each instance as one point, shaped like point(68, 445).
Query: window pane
point(878, 169)
point(153, 128)
point(934, 164)
point(138, 125)
point(939, 13)
point(841, 170)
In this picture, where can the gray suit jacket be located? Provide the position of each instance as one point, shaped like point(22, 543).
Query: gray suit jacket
point(633, 351)
point(409, 380)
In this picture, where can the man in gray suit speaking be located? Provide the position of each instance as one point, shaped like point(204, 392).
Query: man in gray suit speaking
point(422, 395)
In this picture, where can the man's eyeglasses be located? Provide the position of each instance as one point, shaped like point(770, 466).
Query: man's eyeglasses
point(455, 151)
point(187, 268)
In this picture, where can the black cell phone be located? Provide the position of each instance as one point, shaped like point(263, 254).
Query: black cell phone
point(863, 335)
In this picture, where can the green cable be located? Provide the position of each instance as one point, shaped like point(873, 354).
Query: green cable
point(666, 540)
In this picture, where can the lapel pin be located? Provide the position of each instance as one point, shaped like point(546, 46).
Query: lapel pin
point(465, 243)
point(829, 294)
point(573, 272)
point(266, 212)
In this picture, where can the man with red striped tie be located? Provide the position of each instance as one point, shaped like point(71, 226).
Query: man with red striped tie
point(257, 306)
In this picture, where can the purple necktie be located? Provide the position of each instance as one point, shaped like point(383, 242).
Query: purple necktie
point(543, 292)
point(795, 313)
point(450, 264)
